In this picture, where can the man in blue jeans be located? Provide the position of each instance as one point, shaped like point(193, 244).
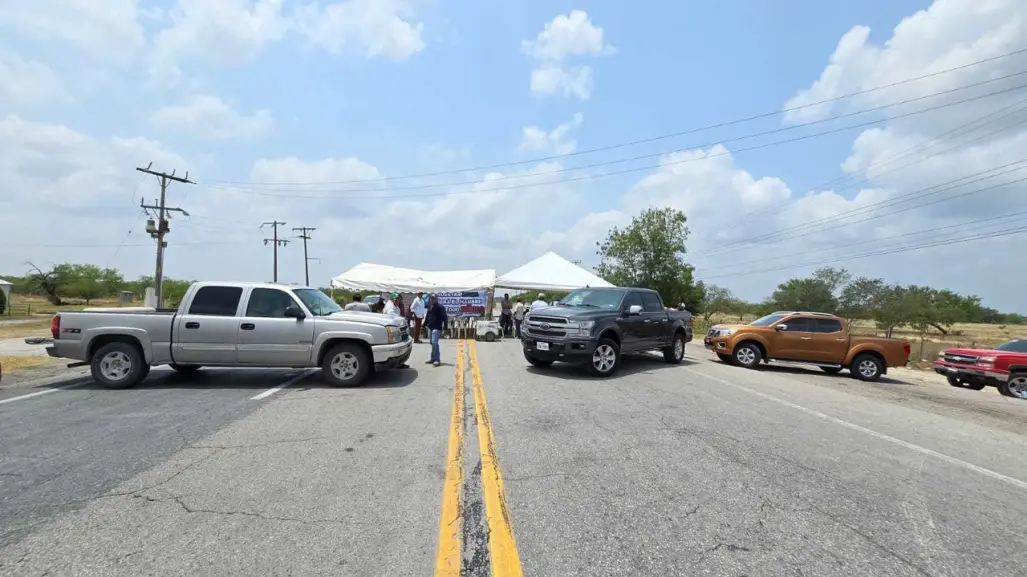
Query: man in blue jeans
point(436, 320)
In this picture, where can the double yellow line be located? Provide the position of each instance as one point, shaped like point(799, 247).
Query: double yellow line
point(502, 547)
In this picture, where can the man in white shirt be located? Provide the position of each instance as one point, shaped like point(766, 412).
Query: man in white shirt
point(540, 303)
point(417, 309)
point(518, 316)
point(390, 306)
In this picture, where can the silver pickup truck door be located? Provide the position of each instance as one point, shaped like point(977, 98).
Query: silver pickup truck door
point(267, 337)
point(207, 334)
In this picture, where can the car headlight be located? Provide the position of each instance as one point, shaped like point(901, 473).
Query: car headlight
point(580, 328)
point(725, 332)
point(941, 354)
point(986, 361)
point(392, 335)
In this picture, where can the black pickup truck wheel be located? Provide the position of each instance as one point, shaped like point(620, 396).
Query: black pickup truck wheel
point(675, 353)
point(605, 359)
point(118, 366)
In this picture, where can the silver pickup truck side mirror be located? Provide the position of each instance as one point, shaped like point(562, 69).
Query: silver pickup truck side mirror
point(294, 313)
point(634, 310)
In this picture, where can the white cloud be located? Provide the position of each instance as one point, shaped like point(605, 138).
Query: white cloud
point(557, 141)
point(223, 33)
point(575, 81)
point(378, 28)
point(727, 205)
point(107, 30)
point(572, 35)
point(26, 82)
point(211, 118)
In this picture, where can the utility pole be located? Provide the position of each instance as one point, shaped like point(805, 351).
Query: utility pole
point(161, 226)
point(274, 225)
point(306, 260)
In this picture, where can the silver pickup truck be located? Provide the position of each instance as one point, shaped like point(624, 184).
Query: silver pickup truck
point(225, 324)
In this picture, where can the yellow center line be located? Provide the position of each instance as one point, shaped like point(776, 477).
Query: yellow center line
point(448, 558)
point(502, 547)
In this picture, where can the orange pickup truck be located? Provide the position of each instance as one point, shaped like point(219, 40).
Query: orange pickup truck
point(817, 339)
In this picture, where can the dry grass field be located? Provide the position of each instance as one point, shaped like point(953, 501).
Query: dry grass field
point(926, 346)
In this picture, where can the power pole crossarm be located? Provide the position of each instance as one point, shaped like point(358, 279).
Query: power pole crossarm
point(276, 242)
point(162, 228)
point(305, 235)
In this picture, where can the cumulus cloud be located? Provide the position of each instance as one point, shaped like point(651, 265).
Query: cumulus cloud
point(564, 37)
point(27, 82)
point(557, 141)
point(211, 118)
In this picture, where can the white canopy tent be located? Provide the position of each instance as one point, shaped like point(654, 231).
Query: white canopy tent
point(5, 287)
point(550, 272)
point(376, 277)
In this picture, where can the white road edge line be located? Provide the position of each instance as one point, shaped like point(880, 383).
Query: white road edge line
point(41, 393)
point(277, 388)
point(911, 446)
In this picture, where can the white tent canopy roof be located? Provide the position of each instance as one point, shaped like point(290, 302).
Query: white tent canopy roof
point(550, 272)
point(5, 283)
point(376, 277)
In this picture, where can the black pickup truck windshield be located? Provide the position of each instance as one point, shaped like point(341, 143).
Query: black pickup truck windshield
point(600, 299)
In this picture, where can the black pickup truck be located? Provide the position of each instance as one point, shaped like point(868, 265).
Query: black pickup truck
point(594, 326)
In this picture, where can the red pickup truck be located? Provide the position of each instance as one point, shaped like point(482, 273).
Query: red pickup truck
point(1004, 367)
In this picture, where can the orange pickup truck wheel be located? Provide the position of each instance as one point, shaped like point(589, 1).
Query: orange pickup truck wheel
point(867, 367)
point(747, 355)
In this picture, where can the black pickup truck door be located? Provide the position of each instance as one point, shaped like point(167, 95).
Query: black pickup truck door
point(633, 335)
point(655, 323)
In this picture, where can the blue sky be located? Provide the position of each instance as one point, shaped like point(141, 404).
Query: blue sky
point(455, 93)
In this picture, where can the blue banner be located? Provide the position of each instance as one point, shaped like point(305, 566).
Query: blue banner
point(464, 304)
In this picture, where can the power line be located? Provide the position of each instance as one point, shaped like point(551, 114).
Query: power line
point(304, 234)
point(981, 236)
point(282, 193)
point(276, 242)
point(161, 228)
point(784, 234)
point(664, 136)
point(922, 147)
point(931, 230)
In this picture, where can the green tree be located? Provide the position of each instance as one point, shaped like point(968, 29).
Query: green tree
point(804, 294)
point(716, 299)
point(85, 281)
point(860, 298)
point(836, 279)
point(649, 253)
point(892, 309)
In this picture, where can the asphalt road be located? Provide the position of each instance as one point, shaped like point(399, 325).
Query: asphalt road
point(698, 469)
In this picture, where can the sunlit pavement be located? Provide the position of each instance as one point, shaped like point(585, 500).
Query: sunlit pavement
point(700, 468)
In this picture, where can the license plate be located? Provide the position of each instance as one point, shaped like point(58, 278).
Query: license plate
point(542, 346)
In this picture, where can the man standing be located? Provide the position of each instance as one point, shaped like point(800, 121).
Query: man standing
point(540, 303)
point(505, 315)
point(390, 306)
point(357, 304)
point(436, 320)
point(518, 315)
point(417, 310)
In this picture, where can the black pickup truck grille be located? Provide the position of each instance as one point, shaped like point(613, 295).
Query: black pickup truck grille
point(545, 326)
point(404, 332)
point(960, 359)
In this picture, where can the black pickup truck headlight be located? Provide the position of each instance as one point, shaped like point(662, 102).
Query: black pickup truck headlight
point(580, 329)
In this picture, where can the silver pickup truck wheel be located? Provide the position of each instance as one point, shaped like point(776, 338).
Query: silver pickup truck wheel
point(346, 365)
point(118, 366)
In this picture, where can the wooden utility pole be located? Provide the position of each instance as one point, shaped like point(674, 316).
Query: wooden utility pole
point(277, 242)
point(161, 227)
point(305, 235)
